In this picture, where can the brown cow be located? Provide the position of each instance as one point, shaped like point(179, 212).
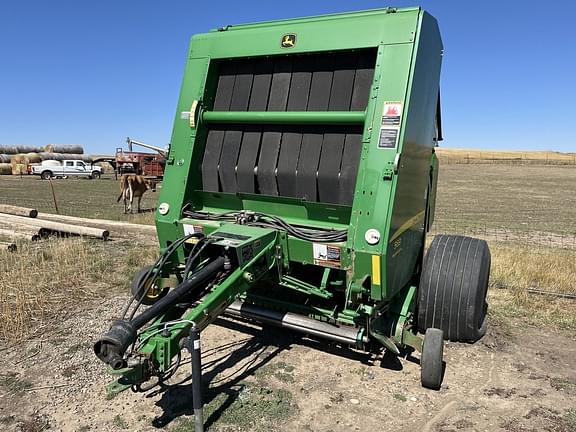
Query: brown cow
point(131, 186)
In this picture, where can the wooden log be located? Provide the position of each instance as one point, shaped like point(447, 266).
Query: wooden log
point(18, 211)
point(101, 223)
point(11, 234)
point(57, 226)
point(9, 246)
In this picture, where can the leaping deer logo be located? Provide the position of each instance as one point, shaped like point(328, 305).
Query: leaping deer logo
point(288, 41)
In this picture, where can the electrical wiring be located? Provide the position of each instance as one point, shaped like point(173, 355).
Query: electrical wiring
point(269, 221)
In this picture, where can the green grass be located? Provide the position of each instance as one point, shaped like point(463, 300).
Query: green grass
point(119, 422)
point(75, 197)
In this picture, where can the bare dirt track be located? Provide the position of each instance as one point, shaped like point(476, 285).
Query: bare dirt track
point(516, 379)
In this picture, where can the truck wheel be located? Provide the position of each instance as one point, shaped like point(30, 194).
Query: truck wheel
point(453, 288)
point(431, 366)
point(95, 175)
point(145, 289)
point(46, 175)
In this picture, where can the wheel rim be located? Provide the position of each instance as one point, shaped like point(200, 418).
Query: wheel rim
point(152, 290)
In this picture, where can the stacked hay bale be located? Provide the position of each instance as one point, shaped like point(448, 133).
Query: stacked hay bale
point(14, 159)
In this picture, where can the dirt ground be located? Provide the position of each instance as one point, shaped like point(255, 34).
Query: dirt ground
point(515, 379)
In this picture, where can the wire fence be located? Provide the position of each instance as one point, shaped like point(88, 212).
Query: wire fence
point(534, 239)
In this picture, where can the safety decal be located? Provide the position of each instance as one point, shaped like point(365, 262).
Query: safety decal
point(391, 114)
point(388, 137)
point(325, 255)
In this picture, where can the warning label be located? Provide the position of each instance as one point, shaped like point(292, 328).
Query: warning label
point(388, 138)
point(392, 114)
point(327, 256)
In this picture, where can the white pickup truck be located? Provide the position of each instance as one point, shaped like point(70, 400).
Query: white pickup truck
point(68, 168)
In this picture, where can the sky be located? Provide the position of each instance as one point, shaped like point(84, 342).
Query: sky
point(95, 72)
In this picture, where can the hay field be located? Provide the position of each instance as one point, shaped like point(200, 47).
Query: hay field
point(472, 156)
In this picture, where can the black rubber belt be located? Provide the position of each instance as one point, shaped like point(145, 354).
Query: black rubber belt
point(261, 85)
point(300, 84)
point(362, 81)
point(280, 85)
point(308, 165)
point(228, 159)
point(329, 167)
point(287, 163)
point(247, 159)
point(211, 160)
point(242, 85)
point(349, 168)
point(269, 151)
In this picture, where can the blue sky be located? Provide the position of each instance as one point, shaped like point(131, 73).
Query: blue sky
point(92, 73)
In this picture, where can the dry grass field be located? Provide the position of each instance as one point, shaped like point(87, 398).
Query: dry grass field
point(57, 296)
point(469, 156)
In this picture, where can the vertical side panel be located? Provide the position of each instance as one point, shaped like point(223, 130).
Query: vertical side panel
point(267, 161)
point(306, 186)
point(211, 160)
point(329, 168)
point(247, 159)
point(228, 160)
point(280, 86)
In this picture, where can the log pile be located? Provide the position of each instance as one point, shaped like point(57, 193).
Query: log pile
point(19, 223)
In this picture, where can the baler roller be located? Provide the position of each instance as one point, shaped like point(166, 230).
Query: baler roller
point(285, 117)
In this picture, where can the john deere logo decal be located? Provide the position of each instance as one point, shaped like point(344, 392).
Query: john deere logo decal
point(288, 40)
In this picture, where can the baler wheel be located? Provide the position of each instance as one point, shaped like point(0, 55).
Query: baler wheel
point(453, 287)
point(151, 291)
point(431, 365)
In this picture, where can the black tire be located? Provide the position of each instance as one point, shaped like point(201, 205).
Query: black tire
point(431, 365)
point(453, 288)
point(46, 175)
point(142, 288)
point(95, 175)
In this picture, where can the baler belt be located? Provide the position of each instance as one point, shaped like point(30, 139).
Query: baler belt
point(287, 163)
point(308, 165)
point(228, 160)
point(269, 151)
point(247, 159)
point(316, 163)
point(211, 160)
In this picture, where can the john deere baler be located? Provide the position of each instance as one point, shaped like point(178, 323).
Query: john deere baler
point(299, 188)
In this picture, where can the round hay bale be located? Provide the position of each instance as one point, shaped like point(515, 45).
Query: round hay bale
point(9, 149)
point(19, 168)
point(19, 159)
point(67, 149)
point(5, 169)
point(28, 149)
point(5, 158)
point(33, 157)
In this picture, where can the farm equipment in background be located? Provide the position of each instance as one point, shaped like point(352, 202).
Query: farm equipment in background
point(299, 188)
point(149, 165)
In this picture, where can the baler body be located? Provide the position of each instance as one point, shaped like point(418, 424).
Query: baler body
point(335, 131)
